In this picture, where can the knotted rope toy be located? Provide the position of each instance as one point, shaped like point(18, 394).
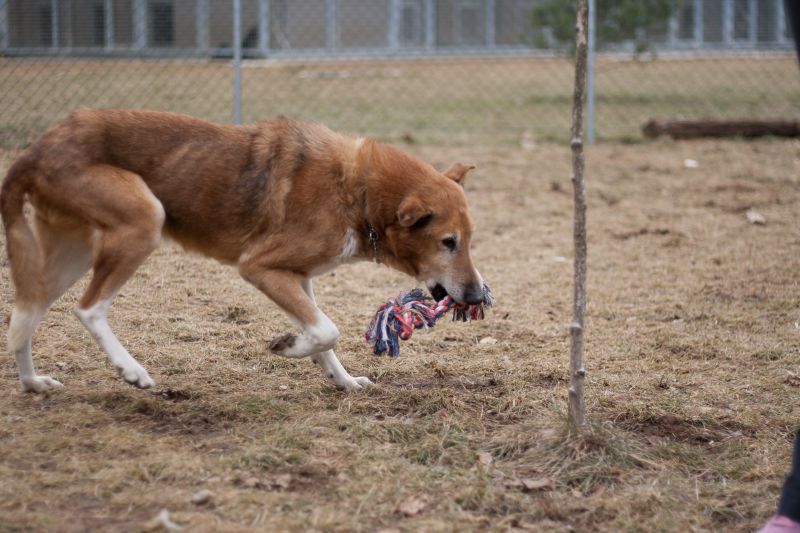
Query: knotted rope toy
point(398, 318)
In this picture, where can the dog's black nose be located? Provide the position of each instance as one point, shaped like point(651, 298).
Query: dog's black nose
point(473, 294)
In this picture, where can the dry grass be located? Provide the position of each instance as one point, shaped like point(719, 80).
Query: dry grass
point(692, 348)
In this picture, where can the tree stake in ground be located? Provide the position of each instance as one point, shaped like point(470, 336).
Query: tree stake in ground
point(577, 371)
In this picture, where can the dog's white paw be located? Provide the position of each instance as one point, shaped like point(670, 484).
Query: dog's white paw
point(136, 376)
point(354, 383)
point(40, 384)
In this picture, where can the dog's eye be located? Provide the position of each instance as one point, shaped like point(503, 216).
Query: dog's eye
point(449, 243)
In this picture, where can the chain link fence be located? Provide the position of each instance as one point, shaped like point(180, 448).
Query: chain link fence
point(429, 71)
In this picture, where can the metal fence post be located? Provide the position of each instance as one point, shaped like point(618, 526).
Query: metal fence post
point(108, 21)
point(727, 21)
point(237, 61)
point(201, 26)
point(752, 21)
point(330, 24)
point(263, 27)
point(490, 29)
point(55, 38)
point(590, 74)
point(780, 22)
point(430, 25)
point(698, 23)
point(4, 39)
point(139, 24)
point(394, 24)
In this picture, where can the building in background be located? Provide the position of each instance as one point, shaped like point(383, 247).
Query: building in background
point(281, 28)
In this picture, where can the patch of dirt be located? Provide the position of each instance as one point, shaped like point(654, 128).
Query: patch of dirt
point(640, 232)
point(161, 414)
point(236, 315)
point(674, 427)
point(173, 395)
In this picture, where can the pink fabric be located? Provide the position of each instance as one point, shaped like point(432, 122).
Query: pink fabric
point(780, 524)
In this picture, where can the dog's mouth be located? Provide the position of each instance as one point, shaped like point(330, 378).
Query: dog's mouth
point(438, 292)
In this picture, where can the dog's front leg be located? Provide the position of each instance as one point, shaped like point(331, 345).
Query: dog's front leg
point(330, 363)
point(285, 289)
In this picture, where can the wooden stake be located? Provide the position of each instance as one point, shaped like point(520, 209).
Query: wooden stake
point(577, 413)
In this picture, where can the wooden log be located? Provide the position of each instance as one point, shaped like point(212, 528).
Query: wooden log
point(694, 129)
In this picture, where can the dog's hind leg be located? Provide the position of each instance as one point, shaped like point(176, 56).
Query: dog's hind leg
point(330, 364)
point(65, 258)
point(67, 251)
point(24, 319)
point(129, 219)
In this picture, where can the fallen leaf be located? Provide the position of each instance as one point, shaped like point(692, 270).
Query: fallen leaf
point(754, 217)
point(411, 506)
point(283, 481)
point(527, 141)
point(252, 482)
point(536, 484)
point(202, 497)
point(484, 458)
point(162, 522)
point(549, 433)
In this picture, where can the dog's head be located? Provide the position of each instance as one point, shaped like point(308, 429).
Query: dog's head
point(431, 234)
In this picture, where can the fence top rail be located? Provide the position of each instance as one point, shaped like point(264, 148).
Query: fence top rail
point(379, 54)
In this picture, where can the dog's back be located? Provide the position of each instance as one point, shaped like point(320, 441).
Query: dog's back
point(216, 183)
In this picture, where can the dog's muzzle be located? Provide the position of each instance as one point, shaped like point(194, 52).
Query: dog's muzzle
point(471, 295)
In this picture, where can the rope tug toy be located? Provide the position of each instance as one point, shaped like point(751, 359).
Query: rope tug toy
point(398, 318)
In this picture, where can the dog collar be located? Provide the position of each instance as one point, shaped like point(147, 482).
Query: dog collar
point(372, 234)
point(372, 237)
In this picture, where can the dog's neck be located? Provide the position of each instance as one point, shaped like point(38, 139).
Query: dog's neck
point(372, 235)
point(368, 229)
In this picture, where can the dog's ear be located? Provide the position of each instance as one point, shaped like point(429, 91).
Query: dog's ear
point(411, 210)
point(458, 172)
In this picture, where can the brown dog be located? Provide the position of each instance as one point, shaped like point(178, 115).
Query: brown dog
point(281, 200)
